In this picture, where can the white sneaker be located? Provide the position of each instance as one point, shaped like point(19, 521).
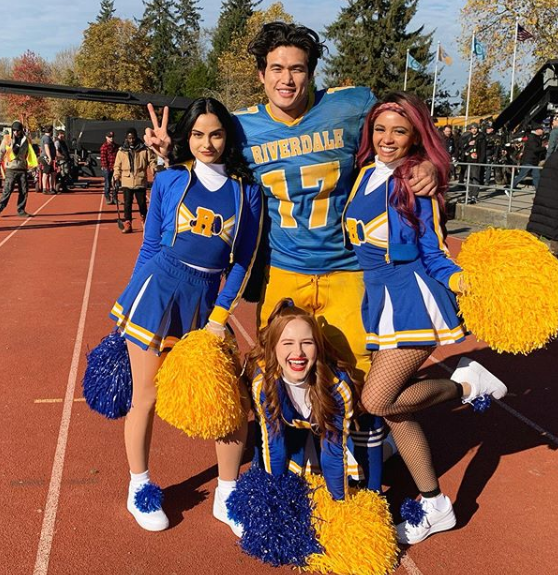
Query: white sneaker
point(482, 382)
point(155, 520)
point(432, 522)
point(220, 512)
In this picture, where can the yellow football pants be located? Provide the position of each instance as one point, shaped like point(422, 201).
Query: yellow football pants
point(335, 300)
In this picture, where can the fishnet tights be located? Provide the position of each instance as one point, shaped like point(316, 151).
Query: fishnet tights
point(390, 392)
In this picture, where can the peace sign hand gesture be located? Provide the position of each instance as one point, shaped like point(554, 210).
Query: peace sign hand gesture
point(157, 138)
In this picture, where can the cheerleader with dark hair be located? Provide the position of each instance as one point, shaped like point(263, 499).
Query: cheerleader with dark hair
point(204, 219)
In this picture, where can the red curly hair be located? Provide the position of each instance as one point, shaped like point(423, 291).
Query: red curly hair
point(320, 379)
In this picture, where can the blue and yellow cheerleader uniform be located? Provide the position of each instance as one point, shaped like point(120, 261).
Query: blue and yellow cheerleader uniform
point(200, 224)
point(354, 452)
point(409, 278)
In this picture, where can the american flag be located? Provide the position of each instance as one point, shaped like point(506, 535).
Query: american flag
point(523, 34)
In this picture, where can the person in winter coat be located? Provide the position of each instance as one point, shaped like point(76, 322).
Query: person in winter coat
point(543, 220)
point(533, 153)
point(474, 152)
point(130, 173)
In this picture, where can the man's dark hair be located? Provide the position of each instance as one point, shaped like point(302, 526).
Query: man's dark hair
point(276, 34)
point(132, 131)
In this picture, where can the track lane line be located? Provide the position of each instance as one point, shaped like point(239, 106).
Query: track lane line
point(243, 332)
point(26, 221)
point(53, 496)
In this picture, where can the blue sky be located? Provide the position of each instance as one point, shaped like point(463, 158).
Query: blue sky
point(52, 26)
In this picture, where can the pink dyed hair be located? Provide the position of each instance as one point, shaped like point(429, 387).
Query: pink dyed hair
point(428, 145)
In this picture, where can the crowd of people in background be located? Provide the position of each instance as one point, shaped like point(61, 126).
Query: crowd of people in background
point(480, 144)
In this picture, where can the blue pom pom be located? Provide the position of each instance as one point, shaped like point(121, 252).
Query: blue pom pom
point(275, 513)
point(412, 511)
point(107, 383)
point(149, 498)
point(482, 403)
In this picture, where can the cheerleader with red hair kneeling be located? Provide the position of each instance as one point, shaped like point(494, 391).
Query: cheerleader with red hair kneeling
point(305, 401)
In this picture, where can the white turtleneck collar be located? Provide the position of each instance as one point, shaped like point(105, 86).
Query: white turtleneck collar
point(298, 394)
point(212, 176)
point(381, 173)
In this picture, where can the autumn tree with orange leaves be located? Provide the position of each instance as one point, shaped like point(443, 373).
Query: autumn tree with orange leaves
point(31, 112)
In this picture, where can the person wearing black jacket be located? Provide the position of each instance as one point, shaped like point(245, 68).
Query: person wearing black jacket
point(474, 152)
point(451, 148)
point(492, 152)
point(543, 220)
point(533, 153)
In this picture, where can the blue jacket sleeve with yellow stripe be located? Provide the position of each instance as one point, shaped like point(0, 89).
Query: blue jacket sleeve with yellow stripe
point(245, 251)
point(333, 457)
point(433, 251)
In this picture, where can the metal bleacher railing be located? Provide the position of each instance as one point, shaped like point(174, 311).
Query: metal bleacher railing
point(494, 192)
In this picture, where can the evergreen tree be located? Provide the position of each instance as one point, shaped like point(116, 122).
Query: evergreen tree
point(189, 74)
point(232, 23)
point(371, 40)
point(161, 29)
point(106, 12)
point(188, 38)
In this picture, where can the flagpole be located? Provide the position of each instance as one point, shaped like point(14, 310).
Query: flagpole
point(435, 80)
point(514, 55)
point(406, 68)
point(469, 83)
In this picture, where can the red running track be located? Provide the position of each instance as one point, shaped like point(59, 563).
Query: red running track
point(64, 475)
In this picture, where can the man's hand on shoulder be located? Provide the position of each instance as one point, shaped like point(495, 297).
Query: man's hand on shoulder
point(424, 179)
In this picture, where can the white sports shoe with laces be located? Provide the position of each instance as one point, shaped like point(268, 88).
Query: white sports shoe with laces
point(482, 382)
point(432, 522)
point(220, 512)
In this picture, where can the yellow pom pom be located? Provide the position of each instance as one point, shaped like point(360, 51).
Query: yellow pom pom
point(197, 387)
point(357, 534)
point(512, 297)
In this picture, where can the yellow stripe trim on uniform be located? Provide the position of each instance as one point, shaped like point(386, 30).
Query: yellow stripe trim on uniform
point(438, 227)
point(170, 341)
point(185, 218)
point(299, 424)
point(345, 392)
point(244, 281)
point(441, 335)
point(250, 110)
point(311, 99)
point(295, 467)
point(256, 394)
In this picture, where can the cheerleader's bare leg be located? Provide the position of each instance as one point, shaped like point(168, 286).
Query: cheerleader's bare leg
point(229, 452)
point(138, 429)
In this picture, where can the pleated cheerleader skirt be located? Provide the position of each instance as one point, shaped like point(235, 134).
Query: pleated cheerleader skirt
point(165, 300)
point(404, 307)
